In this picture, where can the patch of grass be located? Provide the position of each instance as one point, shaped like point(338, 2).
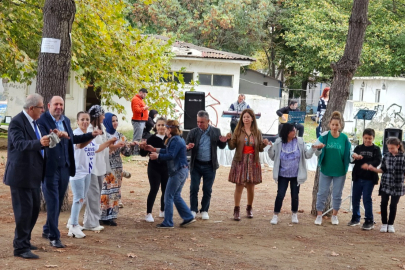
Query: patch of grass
point(309, 130)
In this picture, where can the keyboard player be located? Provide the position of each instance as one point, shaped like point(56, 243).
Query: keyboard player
point(238, 107)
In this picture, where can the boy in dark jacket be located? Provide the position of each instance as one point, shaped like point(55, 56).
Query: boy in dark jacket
point(364, 179)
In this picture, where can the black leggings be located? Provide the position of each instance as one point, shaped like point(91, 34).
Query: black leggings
point(157, 175)
point(384, 208)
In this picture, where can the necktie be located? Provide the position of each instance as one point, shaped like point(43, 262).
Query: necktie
point(37, 133)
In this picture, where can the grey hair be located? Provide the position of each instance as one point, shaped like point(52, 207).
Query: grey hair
point(243, 95)
point(203, 113)
point(32, 100)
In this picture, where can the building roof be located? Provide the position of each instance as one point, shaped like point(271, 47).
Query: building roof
point(184, 49)
point(258, 72)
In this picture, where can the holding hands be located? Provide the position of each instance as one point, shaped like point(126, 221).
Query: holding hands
point(318, 145)
point(266, 142)
point(191, 145)
point(153, 156)
point(96, 132)
point(61, 134)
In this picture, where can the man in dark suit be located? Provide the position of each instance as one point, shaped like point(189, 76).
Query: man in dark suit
point(60, 164)
point(24, 172)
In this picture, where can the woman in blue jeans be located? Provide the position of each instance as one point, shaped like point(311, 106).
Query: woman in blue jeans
point(334, 162)
point(176, 156)
point(290, 167)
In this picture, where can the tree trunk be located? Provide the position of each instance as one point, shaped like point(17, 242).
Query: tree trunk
point(53, 68)
point(304, 85)
point(344, 70)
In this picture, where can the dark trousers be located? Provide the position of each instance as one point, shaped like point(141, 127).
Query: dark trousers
point(158, 176)
point(26, 202)
point(365, 188)
point(282, 185)
point(207, 172)
point(54, 189)
point(299, 127)
point(318, 130)
point(384, 208)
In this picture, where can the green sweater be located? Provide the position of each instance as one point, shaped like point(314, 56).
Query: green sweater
point(335, 157)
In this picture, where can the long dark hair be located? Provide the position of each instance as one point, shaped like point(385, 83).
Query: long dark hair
point(254, 129)
point(285, 130)
point(157, 120)
point(397, 142)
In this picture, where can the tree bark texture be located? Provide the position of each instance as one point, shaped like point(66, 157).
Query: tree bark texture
point(53, 69)
point(304, 85)
point(344, 69)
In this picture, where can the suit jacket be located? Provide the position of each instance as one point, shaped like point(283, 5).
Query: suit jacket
point(46, 123)
point(25, 164)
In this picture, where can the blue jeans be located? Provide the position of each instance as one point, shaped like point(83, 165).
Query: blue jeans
point(173, 194)
point(323, 191)
point(54, 189)
point(80, 187)
point(282, 185)
point(365, 188)
point(207, 173)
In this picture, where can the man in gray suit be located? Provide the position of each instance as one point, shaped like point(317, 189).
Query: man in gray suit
point(24, 172)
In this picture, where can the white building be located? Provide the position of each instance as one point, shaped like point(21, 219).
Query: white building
point(218, 74)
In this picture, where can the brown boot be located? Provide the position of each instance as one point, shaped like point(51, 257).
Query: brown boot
point(236, 213)
point(249, 211)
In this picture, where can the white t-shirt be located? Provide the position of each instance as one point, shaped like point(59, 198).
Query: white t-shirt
point(101, 158)
point(84, 158)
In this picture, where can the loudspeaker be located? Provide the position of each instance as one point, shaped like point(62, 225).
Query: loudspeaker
point(193, 102)
point(391, 132)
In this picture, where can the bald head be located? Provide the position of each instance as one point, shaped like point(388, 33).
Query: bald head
point(55, 107)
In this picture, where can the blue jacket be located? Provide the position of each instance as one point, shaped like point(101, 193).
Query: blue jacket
point(46, 123)
point(175, 154)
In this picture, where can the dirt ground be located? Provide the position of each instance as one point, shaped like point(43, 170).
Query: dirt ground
point(219, 243)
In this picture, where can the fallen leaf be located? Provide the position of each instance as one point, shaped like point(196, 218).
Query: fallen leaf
point(194, 239)
point(59, 250)
point(274, 247)
point(312, 251)
point(334, 254)
point(99, 241)
point(191, 249)
point(350, 244)
point(43, 248)
point(345, 212)
point(132, 255)
point(301, 211)
point(96, 231)
point(298, 236)
point(290, 225)
point(166, 236)
point(51, 266)
point(395, 259)
point(132, 191)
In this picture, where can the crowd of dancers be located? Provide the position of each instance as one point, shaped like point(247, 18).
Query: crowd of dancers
point(44, 152)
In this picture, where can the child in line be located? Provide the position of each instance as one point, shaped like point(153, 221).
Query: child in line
point(392, 182)
point(364, 179)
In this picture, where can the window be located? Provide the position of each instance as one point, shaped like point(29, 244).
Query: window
point(205, 79)
point(361, 94)
point(222, 80)
point(216, 80)
point(377, 95)
point(169, 77)
point(187, 77)
point(265, 83)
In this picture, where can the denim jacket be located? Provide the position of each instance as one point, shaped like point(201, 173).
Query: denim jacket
point(175, 154)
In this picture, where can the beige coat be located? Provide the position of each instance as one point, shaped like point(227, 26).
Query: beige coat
point(238, 141)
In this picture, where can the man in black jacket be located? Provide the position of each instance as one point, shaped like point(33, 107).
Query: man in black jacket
point(24, 172)
point(60, 164)
point(292, 107)
point(203, 142)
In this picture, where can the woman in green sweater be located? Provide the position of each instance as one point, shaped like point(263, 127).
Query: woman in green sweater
point(334, 162)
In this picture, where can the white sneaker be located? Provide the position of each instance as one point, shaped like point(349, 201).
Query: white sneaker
point(204, 215)
point(162, 214)
point(149, 218)
point(384, 228)
point(97, 228)
point(294, 218)
point(274, 220)
point(68, 225)
point(318, 220)
point(335, 220)
point(193, 213)
point(74, 231)
point(391, 228)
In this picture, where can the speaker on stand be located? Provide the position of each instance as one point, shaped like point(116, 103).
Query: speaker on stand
point(391, 132)
point(193, 102)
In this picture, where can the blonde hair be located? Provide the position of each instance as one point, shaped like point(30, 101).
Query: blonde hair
point(240, 124)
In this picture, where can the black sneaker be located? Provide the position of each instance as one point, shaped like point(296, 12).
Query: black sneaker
point(161, 226)
point(353, 223)
point(188, 222)
point(368, 225)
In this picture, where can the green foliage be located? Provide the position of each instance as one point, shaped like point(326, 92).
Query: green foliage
point(107, 52)
point(234, 26)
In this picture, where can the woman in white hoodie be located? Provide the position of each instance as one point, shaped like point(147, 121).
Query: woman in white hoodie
point(289, 153)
